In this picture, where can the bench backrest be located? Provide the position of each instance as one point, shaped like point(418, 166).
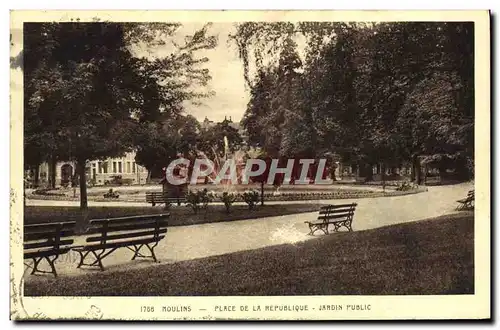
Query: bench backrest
point(50, 236)
point(135, 227)
point(158, 194)
point(340, 212)
point(154, 193)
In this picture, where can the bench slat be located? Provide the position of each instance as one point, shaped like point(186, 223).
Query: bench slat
point(46, 253)
point(47, 235)
point(48, 243)
point(337, 216)
point(334, 211)
point(135, 218)
point(127, 235)
point(169, 199)
point(48, 227)
point(136, 226)
point(120, 244)
point(326, 207)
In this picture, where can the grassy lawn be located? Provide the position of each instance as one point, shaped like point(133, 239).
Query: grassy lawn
point(179, 215)
point(434, 256)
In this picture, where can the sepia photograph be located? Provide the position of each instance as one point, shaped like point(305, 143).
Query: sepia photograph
point(202, 166)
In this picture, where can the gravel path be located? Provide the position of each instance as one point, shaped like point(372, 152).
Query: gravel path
point(198, 241)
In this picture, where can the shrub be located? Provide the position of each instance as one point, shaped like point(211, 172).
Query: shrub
point(206, 197)
point(47, 192)
point(228, 198)
point(198, 199)
point(111, 194)
point(251, 197)
point(404, 186)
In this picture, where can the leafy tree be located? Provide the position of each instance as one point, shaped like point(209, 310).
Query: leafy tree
point(211, 140)
point(383, 93)
point(90, 89)
point(159, 142)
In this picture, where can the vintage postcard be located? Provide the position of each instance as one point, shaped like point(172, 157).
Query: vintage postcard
point(250, 165)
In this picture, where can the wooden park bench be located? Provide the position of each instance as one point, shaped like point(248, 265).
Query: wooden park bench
point(47, 241)
point(133, 233)
point(337, 215)
point(466, 203)
point(160, 198)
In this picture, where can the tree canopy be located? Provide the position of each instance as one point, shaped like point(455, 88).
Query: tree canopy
point(88, 88)
point(373, 93)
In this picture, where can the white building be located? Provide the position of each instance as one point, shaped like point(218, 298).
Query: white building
point(99, 172)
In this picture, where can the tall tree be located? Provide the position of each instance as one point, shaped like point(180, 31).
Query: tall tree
point(90, 88)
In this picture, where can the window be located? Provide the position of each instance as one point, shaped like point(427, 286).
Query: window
point(105, 167)
point(114, 167)
point(120, 167)
point(133, 167)
point(128, 167)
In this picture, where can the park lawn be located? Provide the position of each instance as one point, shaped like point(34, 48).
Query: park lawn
point(179, 215)
point(434, 256)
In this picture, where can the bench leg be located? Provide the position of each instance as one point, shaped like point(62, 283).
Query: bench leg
point(36, 263)
point(51, 263)
point(82, 258)
point(324, 228)
point(136, 251)
point(151, 249)
point(98, 258)
point(348, 225)
point(311, 231)
point(138, 254)
point(313, 228)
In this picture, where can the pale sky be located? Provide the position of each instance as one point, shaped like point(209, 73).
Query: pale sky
point(227, 82)
point(225, 67)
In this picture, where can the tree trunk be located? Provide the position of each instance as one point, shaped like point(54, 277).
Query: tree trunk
point(262, 193)
point(83, 183)
point(52, 171)
point(424, 180)
point(368, 172)
point(332, 171)
point(416, 172)
point(382, 175)
point(36, 179)
point(414, 166)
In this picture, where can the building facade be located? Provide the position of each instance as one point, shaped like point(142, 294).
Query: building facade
point(122, 170)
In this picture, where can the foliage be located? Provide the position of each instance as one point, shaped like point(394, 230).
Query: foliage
point(251, 197)
point(372, 93)
point(90, 86)
point(198, 199)
point(111, 194)
point(405, 186)
point(211, 140)
point(159, 142)
point(228, 198)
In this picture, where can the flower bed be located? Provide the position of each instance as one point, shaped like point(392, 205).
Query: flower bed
point(285, 196)
point(339, 195)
